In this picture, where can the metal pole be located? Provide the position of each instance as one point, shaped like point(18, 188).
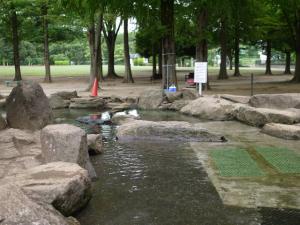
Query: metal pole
point(200, 89)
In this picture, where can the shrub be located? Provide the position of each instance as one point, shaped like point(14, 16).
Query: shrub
point(62, 62)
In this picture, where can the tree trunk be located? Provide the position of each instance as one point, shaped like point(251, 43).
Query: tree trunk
point(168, 46)
point(110, 32)
point(237, 52)
point(99, 61)
point(223, 40)
point(296, 78)
point(154, 71)
point(201, 45)
point(91, 38)
point(160, 61)
point(47, 78)
point(94, 34)
point(15, 37)
point(230, 60)
point(269, 55)
point(128, 73)
point(287, 63)
point(111, 58)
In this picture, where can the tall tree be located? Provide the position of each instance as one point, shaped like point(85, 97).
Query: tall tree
point(269, 56)
point(110, 30)
point(201, 16)
point(16, 41)
point(290, 11)
point(223, 41)
point(128, 73)
point(91, 14)
point(44, 10)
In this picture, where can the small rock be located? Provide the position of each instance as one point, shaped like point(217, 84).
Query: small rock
point(95, 144)
point(2, 123)
point(165, 106)
point(289, 132)
point(66, 95)
point(122, 118)
point(87, 103)
point(2, 103)
point(57, 102)
point(28, 107)
point(236, 98)
point(67, 143)
point(131, 100)
point(123, 107)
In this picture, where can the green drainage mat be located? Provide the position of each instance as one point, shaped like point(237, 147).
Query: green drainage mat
point(235, 163)
point(284, 160)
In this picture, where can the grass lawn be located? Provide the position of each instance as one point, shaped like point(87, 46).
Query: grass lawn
point(83, 70)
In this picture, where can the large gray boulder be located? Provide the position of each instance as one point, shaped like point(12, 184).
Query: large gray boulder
point(2, 123)
point(95, 144)
point(17, 208)
point(276, 101)
point(87, 103)
point(211, 108)
point(28, 107)
point(261, 116)
point(44, 195)
point(67, 143)
point(289, 132)
point(165, 131)
point(66, 186)
point(150, 99)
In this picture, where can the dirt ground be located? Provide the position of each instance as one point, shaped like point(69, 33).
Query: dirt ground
point(238, 86)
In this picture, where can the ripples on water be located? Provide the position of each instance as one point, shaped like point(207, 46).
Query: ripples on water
point(148, 183)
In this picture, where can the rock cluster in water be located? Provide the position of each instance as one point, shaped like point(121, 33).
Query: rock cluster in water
point(45, 170)
point(259, 110)
point(166, 131)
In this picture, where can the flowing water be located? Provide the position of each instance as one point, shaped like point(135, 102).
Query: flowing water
point(148, 183)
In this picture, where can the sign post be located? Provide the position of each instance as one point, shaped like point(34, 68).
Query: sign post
point(200, 74)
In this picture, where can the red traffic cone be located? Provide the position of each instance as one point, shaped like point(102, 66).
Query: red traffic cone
point(95, 88)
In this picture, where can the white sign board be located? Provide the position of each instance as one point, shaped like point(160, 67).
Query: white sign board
point(200, 72)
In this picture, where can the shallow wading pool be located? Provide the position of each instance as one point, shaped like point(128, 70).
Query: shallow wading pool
point(167, 183)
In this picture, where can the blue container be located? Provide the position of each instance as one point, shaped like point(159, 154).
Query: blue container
point(172, 88)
